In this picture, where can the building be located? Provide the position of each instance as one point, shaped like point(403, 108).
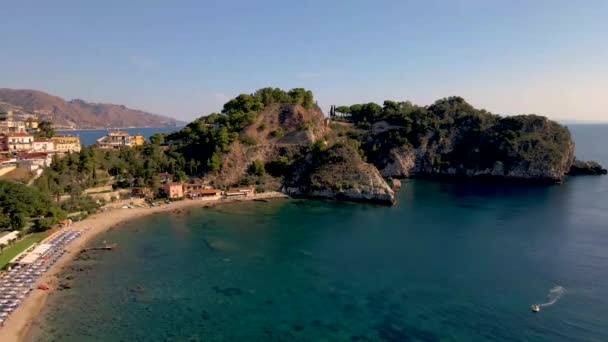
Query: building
point(174, 190)
point(66, 143)
point(31, 125)
point(204, 193)
point(192, 186)
point(240, 192)
point(42, 144)
point(34, 161)
point(165, 177)
point(16, 142)
point(8, 124)
point(137, 140)
point(118, 139)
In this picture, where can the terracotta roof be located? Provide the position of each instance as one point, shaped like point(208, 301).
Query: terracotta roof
point(35, 155)
point(19, 134)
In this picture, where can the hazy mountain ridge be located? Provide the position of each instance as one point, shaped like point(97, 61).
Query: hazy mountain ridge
point(78, 113)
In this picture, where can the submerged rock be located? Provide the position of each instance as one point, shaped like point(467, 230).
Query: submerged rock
point(591, 167)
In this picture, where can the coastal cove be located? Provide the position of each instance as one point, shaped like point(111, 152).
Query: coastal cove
point(362, 261)
point(488, 252)
point(20, 321)
point(449, 261)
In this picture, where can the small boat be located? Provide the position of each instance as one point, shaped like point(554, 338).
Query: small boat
point(535, 308)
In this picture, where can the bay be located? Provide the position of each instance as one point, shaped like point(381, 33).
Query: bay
point(449, 262)
point(89, 136)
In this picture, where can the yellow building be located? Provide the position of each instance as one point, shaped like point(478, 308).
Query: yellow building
point(118, 139)
point(137, 140)
point(67, 143)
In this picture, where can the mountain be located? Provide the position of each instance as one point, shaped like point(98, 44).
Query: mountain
point(78, 114)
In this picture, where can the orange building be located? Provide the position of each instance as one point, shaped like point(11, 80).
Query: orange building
point(174, 190)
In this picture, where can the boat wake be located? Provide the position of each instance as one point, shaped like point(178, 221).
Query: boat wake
point(554, 295)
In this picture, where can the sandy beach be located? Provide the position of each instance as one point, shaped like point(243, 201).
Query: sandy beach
point(18, 324)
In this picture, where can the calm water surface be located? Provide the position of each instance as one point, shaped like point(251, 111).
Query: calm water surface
point(449, 262)
point(90, 136)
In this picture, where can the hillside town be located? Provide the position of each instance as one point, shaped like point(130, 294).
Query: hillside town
point(23, 147)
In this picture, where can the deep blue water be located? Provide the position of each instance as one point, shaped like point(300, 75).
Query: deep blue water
point(449, 262)
point(90, 136)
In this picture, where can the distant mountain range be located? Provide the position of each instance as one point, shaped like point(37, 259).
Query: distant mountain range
point(78, 114)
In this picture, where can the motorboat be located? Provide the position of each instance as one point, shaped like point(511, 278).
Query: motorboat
point(535, 308)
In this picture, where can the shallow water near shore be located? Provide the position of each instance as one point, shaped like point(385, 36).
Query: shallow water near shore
point(448, 262)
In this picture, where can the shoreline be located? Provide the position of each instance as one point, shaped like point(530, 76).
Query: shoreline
point(18, 325)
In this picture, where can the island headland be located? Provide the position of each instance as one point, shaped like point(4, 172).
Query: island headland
point(283, 141)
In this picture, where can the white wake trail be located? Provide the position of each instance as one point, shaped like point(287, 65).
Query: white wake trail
point(554, 295)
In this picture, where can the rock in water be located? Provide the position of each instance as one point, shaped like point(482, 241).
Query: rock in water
point(395, 183)
point(580, 167)
point(339, 173)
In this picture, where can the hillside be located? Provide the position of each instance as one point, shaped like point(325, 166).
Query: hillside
point(78, 113)
point(277, 140)
point(452, 139)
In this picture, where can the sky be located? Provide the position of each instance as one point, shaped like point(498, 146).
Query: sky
point(186, 58)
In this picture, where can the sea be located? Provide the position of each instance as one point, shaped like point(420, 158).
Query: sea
point(89, 136)
point(449, 262)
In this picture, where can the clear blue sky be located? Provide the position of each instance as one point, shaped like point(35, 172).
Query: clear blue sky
point(186, 58)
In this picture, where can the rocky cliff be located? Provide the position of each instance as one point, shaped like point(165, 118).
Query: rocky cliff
point(273, 145)
point(281, 140)
point(452, 139)
point(338, 172)
point(580, 167)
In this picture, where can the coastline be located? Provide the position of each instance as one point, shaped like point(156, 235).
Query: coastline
point(16, 328)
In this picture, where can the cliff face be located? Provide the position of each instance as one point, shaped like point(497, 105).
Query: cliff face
point(278, 130)
point(527, 148)
point(340, 173)
point(287, 131)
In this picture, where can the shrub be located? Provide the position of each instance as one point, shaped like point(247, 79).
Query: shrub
point(279, 132)
point(257, 168)
point(247, 140)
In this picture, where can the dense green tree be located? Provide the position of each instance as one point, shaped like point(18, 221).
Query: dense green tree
point(19, 202)
point(45, 130)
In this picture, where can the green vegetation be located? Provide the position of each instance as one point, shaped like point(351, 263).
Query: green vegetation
point(207, 138)
point(8, 253)
point(257, 168)
point(455, 134)
point(277, 133)
point(20, 205)
point(45, 130)
point(247, 140)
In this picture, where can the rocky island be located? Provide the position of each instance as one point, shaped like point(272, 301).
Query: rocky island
point(280, 140)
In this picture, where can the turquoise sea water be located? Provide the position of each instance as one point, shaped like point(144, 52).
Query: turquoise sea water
point(449, 262)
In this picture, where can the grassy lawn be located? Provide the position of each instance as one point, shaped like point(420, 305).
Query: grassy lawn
point(10, 252)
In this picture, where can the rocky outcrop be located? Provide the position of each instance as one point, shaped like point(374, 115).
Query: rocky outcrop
point(338, 173)
point(526, 148)
point(580, 167)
